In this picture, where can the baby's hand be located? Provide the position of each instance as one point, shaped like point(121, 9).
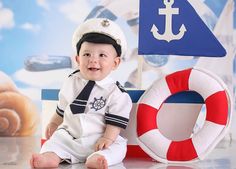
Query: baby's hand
point(102, 143)
point(51, 127)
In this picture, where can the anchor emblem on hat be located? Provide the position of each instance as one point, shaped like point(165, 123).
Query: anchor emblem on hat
point(168, 35)
point(105, 23)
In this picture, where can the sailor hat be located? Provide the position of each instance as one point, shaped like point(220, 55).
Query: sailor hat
point(101, 26)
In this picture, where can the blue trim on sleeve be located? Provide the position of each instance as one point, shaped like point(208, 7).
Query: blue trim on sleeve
point(59, 111)
point(115, 120)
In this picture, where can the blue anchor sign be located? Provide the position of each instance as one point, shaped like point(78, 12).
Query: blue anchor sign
point(168, 35)
point(173, 27)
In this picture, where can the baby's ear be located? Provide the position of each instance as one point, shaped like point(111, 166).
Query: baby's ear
point(77, 58)
point(116, 62)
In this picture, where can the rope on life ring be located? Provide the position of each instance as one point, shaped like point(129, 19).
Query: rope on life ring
point(218, 116)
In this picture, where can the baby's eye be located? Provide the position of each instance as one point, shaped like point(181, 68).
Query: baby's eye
point(102, 55)
point(86, 54)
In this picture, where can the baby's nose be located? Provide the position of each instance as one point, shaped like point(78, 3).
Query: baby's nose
point(93, 59)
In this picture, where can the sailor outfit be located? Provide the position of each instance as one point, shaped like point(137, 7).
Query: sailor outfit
point(75, 138)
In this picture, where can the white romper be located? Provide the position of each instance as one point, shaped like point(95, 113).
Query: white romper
point(74, 140)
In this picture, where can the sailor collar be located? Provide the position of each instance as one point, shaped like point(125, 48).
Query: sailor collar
point(104, 82)
point(101, 83)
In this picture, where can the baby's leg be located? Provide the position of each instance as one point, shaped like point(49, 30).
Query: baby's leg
point(44, 160)
point(97, 161)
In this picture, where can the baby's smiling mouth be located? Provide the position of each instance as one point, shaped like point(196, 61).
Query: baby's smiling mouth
point(93, 69)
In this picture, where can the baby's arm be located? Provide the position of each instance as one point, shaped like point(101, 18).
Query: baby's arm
point(55, 121)
point(109, 136)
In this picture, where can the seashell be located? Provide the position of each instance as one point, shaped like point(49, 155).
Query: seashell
point(18, 115)
point(9, 117)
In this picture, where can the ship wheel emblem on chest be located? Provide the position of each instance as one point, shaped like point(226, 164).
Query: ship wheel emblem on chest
point(98, 104)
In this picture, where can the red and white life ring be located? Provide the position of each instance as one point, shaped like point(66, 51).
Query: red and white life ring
point(218, 116)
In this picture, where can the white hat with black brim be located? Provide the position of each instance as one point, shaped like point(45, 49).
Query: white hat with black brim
point(102, 26)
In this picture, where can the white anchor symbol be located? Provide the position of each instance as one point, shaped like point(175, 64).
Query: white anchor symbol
point(168, 34)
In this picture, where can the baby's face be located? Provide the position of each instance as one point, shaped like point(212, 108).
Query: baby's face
point(96, 61)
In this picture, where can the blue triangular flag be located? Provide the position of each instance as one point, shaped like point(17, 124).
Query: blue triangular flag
point(173, 27)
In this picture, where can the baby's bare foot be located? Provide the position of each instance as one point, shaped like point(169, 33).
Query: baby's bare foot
point(49, 160)
point(97, 162)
